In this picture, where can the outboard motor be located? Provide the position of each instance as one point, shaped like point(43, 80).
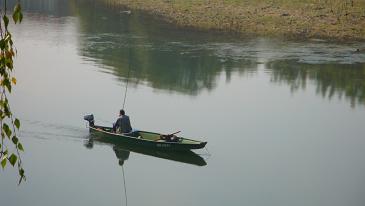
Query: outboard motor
point(90, 119)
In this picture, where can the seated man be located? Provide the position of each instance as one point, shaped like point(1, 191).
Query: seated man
point(122, 125)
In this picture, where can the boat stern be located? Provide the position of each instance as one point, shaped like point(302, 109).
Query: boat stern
point(90, 119)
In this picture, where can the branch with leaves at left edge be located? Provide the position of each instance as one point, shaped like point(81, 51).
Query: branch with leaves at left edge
point(10, 146)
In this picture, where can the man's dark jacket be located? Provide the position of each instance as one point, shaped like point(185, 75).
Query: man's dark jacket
point(123, 124)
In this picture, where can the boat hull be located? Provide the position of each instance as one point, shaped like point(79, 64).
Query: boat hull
point(103, 132)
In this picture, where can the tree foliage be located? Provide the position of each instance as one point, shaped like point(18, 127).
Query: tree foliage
point(10, 146)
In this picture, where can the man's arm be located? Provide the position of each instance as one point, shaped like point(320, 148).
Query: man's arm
point(116, 125)
point(129, 125)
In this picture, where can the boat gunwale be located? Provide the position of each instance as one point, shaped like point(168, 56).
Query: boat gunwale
point(146, 140)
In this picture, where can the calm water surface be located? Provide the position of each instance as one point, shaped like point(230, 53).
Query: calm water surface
point(284, 120)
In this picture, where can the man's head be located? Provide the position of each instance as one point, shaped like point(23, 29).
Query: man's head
point(121, 112)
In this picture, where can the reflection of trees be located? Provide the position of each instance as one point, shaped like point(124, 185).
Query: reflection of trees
point(52, 7)
point(330, 79)
point(159, 56)
point(184, 61)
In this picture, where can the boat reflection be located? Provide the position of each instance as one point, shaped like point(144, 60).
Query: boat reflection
point(122, 151)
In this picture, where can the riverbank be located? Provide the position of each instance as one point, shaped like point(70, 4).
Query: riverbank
point(326, 19)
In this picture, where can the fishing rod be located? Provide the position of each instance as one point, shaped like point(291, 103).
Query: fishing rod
point(129, 71)
point(126, 86)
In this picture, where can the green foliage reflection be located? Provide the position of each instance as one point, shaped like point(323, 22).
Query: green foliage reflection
point(331, 80)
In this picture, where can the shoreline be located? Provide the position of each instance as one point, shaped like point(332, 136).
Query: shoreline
point(309, 19)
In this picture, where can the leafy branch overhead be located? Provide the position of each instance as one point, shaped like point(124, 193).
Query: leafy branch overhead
point(10, 146)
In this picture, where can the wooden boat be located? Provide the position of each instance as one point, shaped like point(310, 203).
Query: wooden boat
point(144, 138)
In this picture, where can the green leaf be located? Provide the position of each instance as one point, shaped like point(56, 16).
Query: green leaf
point(6, 21)
point(15, 140)
point(22, 176)
point(13, 80)
point(15, 17)
point(21, 172)
point(9, 64)
point(6, 82)
point(3, 162)
point(20, 147)
point(7, 130)
point(17, 123)
point(12, 159)
point(20, 16)
point(2, 44)
point(17, 8)
point(17, 14)
point(6, 109)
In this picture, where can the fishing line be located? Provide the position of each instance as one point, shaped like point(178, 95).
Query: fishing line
point(125, 188)
point(129, 71)
point(126, 87)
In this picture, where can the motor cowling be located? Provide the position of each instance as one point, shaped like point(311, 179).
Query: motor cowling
point(90, 119)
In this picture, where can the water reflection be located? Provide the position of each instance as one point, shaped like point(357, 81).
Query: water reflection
point(157, 54)
point(272, 159)
point(57, 8)
point(331, 80)
point(122, 151)
point(187, 62)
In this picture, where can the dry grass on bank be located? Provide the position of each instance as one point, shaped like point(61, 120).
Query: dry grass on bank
point(331, 19)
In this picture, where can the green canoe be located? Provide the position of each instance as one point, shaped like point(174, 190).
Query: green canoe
point(144, 138)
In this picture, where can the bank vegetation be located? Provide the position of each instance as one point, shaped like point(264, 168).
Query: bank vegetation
point(329, 19)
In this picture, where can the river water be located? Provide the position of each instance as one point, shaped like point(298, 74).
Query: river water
point(284, 120)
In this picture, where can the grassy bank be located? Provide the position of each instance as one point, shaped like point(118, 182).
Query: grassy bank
point(329, 19)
